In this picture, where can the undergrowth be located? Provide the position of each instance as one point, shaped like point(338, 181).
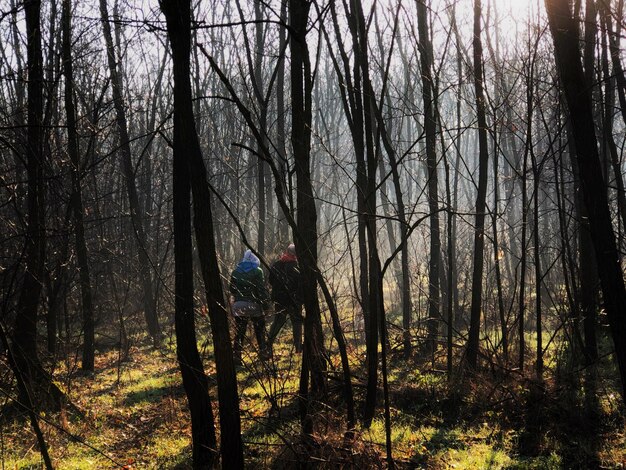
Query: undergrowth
point(134, 416)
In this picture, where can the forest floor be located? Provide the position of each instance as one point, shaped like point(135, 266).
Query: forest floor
point(135, 417)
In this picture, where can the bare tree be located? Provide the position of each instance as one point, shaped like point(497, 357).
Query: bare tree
point(479, 225)
point(37, 382)
point(313, 362)
point(136, 215)
point(77, 197)
point(187, 148)
point(430, 128)
point(565, 34)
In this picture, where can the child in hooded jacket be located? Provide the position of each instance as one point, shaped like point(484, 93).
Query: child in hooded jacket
point(250, 300)
point(286, 294)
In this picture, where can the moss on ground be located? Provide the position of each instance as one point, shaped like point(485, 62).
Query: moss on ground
point(135, 415)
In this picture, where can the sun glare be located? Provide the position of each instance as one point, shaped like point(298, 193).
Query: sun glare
point(518, 9)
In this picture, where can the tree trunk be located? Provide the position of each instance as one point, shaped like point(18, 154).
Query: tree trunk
point(137, 220)
point(538, 275)
point(178, 16)
point(588, 288)
point(497, 256)
point(283, 225)
point(565, 34)
point(26, 400)
point(426, 60)
point(263, 105)
point(614, 48)
point(195, 381)
point(609, 111)
point(77, 198)
point(353, 108)
point(57, 288)
point(479, 226)
point(25, 332)
point(313, 362)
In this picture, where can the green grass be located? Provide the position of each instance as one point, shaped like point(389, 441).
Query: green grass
point(136, 414)
point(31, 461)
point(549, 462)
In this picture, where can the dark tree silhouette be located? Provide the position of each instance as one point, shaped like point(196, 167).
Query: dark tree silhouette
point(187, 153)
point(194, 379)
point(77, 197)
point(565, 34)
point(479, 225)
point(313, 361)
point(136, 215)
point(37, 383)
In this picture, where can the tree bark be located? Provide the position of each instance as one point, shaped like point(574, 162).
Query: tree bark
point(353, 109)
point(426, 61)
point(26, 400)
point(588, 278)
point(137, 219)
point(538, 275)
point(25, 331)
point(77, 198)
point(479, 226)
point(565, 36)
point(609, 111)
point(177, 13)
point(281, 144)
point(313, 362)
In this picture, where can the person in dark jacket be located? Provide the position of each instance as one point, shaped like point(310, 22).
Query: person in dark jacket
point(286, 286)
point(250, 300)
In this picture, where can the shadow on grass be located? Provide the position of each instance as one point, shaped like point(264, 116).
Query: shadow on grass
point(558, 432)
point(580, 432)
point(443, 438)
point(266, 436)
point(152, 395)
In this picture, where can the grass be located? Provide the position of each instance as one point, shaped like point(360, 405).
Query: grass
point(135, 415)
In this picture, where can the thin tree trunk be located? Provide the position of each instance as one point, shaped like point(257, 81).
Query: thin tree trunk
point(77, 198)
point(343, 353)
point(614, 48)
point(353, 108)
point(497, 257)
point(426, 61)
point(283, 225)
point(523, 261)
point(372, 112)
point(19, 118)
point(383, 131)
point(361, 81)
point(137, 219)
point(609, 110)
point(57, 288)
point(538, 275)
point(567, 259)
point(479, 226)
point(498, 253)
point(26, 400)
point(262, 103)
point(455, 189)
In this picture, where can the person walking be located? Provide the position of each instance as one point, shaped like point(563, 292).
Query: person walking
point(250, 300)
point(286, 293)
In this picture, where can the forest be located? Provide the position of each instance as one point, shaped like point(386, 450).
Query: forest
point(312, 234)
